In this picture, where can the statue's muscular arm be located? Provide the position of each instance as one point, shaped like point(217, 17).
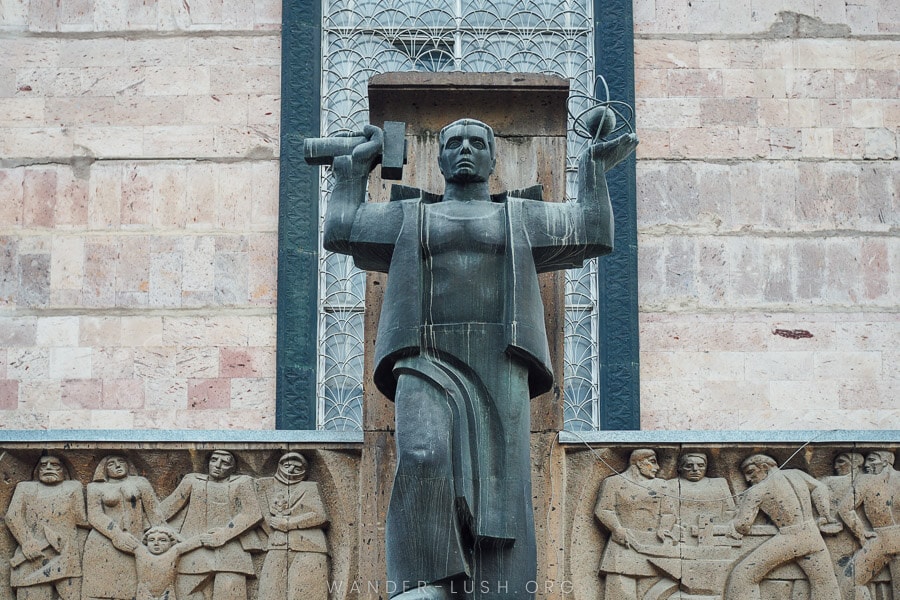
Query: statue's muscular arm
point(564, 235)
point(365, 231)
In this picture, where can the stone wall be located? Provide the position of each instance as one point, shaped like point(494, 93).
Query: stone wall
point(138, 177)
point(768, 213)
point(139, 185)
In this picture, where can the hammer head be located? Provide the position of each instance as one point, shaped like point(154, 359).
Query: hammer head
point(394, 152)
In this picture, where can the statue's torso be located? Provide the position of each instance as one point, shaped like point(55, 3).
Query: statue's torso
point(463, 246)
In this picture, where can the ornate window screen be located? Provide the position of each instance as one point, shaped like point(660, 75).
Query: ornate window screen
point(364, 38)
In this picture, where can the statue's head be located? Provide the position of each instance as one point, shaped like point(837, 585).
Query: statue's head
point(50, 470)
point(221, 464)
point(466, 153)
point(878, 460)
point(692, 466)
point(644, 460)
point(292, 467)
point(757, 467)
point(848, 463)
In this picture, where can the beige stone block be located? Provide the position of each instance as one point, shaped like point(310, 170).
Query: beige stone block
point(650, 83)
point(67, 263)
point(72, 198)
point(156, 419)
point(253, 394)
point(261, 331)
point(28, 363)
point(810, 83)
point(818, 142)
point(45, 143)
point(867, 113)
point(19, 419)
point(779, 366)
point(814, 396)
point(803, 112)
point(166, 394)
point(774, 112)
point(666, 54)
point(754, 83)
point(180, 141)
point(655, 143)
point(236, 50)
point(199, 331)
point(243, 78)
point(70, 363)
point(878, 54)
point(217, 109)
point(11, 190)
point(197, 267)
point(169, 196)
point(256, 142)
point(21, 112)
point(779, 54)
point(171, 80)
point(109, 141)
point(880, 144)
point(18, 331)
point(24, 52)
point(197, 362)
point(112, 363)
point(140, 331)
point(662, 113)
point(818, 53)
point(264, 110)
point(93, 52)
point(871, 395)
point(264, 211)
point(848, 365)
point(14, 15)
point(58, 331)
point(39, 396)
point(202, 191)
point(714, 54)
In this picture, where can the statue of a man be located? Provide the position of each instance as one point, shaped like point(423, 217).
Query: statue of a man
point(461, 348)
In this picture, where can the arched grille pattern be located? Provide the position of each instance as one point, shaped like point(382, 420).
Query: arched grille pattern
point(368, 37)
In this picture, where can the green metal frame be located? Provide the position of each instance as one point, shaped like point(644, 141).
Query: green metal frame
point(298, 238)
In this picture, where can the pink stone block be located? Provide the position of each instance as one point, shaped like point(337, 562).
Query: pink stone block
point(12, 208)
point(122, 394)
point(209, 393)
point(39, 197)
point(81, 393)
point(9, 394)
point(695, 83)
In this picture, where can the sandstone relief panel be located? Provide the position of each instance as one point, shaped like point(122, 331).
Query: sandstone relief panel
point(185, 524)
point(732, 524)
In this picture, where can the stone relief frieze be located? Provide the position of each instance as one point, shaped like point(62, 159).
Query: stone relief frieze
point(179, 525)
point(658, 526)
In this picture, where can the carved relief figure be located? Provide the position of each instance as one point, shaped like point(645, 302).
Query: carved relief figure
point(461, 347)
point(878, 493)
point(847, 470)
point(296, 563)
point(120, 505)
point(221, 508)
point(787, 498)
point(44, 516)
point(702, 500)
point(637, 510)
point(157, 562)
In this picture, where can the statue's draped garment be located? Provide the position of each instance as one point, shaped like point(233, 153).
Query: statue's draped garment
point(461, 503)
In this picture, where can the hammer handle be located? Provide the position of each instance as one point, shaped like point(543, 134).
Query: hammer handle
point(321, 151)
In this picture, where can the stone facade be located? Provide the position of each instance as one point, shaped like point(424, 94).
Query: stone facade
point(139, 169)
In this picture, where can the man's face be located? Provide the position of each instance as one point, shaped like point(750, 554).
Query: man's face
point(692, 468)
point(874, 464)
point(755, 473)
point(158, 542)
point(648, 467)
point(842, 465)
point(220, 465)
point(50, 470)
point(466, 156)
point(292, 469)
point(116, 467)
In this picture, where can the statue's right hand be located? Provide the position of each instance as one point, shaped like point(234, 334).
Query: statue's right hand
point(32, 550)
point(364, 157)
point(620, 536)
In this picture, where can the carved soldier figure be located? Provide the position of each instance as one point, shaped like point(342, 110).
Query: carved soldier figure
point(700, 496)
point(296, 564)
point(878, 493)
point(848, 468)
point(219, 507)
point(787, 498)
point(637, 509)
point(44, 516)
point(461, 348)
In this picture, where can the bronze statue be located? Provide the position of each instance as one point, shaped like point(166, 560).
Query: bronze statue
point(461, 348)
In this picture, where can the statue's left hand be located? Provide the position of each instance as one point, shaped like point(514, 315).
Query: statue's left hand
point(612, 152)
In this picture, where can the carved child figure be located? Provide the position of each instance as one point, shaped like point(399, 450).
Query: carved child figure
point(157, 562)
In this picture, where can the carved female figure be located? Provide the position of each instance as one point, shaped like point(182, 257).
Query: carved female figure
point(120, 504)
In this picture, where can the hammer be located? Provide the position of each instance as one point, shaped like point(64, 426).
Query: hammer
point(321, 151)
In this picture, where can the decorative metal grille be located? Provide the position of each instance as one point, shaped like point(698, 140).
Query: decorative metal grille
point(368, 37)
